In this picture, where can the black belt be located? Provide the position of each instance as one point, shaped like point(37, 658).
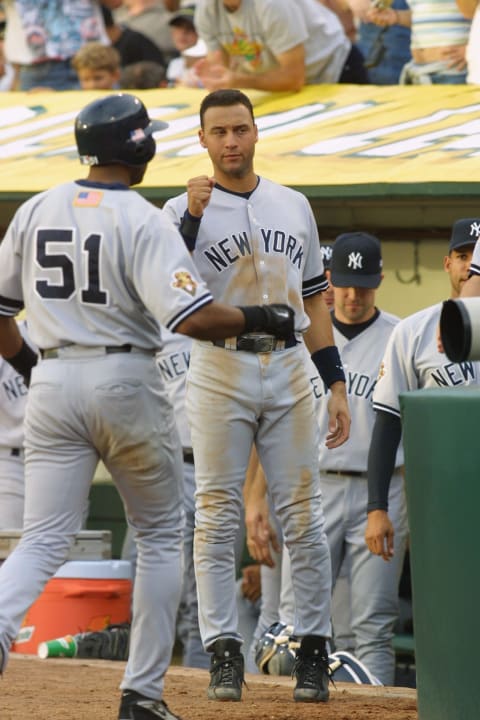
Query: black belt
point(346, 473)
point(257, 343)
point(52, 353)
point(15, 452)
point(188, 455)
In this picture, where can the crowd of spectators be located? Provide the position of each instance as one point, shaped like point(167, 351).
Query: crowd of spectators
point(264, 44)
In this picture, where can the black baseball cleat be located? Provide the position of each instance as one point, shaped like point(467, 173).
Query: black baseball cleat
point(226, 671)
point(311, 670)
point(134, 706)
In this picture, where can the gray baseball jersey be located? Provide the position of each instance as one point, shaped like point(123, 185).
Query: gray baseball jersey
point(361, 359)
point(264, 249)
point(257, 249)
point(98, 268)
point(412, 361)
point(259, 30)
point(74, 274)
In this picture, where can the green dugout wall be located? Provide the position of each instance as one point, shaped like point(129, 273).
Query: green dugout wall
point(441, 440)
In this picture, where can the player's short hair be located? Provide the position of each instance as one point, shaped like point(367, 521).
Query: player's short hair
point(225, 98)
point(96, 56)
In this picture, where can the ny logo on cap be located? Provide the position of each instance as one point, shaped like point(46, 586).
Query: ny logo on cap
point(355, 260)
point(475, 229)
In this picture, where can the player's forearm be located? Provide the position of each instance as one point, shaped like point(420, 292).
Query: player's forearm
point(255, 487)
point(254, 478)
point(15, 350)
point(10, 337)
point(320, 333)
point(386, 435)
point(214, 321)
point(320, 341)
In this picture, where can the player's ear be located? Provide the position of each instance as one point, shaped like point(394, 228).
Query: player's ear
point(201, 137)
point(447, 263)
point(256, 131)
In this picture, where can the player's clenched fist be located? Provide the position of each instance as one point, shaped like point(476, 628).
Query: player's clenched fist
point(199, 190)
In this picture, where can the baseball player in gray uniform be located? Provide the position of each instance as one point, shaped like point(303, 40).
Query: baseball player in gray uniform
point(13, 399)
point(276, 602)
point(413, 361)
point(361, 332)
point(252, 239)
point(98, 269)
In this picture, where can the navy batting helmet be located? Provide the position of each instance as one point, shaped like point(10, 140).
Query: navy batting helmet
point(275, 650)
point(116, 129)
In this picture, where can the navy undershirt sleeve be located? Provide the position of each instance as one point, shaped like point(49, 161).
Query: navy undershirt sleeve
point(386, 435)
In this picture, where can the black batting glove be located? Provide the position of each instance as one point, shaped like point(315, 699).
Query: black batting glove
point(276, 319)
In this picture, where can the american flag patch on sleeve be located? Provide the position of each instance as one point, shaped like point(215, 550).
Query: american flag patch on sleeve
point(88, 198)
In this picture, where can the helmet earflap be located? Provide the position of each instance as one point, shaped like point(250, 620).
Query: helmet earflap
point(141, 151)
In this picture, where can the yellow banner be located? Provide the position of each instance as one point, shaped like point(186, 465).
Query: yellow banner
point(330, 139)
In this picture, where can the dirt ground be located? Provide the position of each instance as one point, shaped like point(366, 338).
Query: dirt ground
point(57, 689)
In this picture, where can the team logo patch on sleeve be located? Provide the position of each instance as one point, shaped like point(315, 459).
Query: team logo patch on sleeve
point(88, 198)
point(184, 281)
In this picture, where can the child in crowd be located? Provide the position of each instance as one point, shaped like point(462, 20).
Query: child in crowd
point(97, 67)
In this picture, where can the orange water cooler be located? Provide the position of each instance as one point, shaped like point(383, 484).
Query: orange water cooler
point(82, 596)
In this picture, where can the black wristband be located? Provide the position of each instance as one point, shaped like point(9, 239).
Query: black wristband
point(24, 361)
point(254, 317)
point(189, 227)
point(328, 363)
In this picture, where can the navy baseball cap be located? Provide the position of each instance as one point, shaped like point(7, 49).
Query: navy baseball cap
point(464, 232)
point(356, 261)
